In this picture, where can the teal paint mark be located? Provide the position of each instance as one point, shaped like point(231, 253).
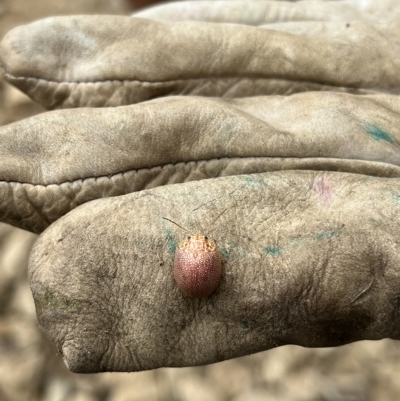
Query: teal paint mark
point(298, 242)
point(326, 235)
point(272, 251)
point(224, 253)
point(397, 198)
point(253, 180)
point(377, 133)
point(242, 251)
point(170, 239)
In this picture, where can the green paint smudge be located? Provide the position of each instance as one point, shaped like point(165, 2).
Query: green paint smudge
point(55, 300)
point(377, 133)
point(270, 250)
point(375, 222)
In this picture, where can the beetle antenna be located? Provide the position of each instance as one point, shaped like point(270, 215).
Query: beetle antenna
point(208, 229)
point(184, 229)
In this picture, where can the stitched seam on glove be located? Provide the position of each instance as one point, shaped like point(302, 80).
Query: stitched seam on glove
point(306, 159)
point(224, 77)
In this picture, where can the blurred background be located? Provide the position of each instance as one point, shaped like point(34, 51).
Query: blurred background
point(30, 368)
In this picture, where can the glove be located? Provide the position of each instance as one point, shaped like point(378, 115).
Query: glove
point(311, 256)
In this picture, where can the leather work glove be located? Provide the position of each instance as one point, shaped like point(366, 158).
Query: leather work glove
point(310, 182)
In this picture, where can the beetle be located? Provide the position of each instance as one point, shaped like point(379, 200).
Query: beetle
point(198, 263)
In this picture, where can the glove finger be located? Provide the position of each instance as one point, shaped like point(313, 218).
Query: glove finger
point(110, 60)
point(312, 259)
point(53, 162)
point(251, 12)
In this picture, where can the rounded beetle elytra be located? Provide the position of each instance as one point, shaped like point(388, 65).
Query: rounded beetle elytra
point(197, 264)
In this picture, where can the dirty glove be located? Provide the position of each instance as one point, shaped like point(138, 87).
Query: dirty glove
point(311, 256)
point(97, 61)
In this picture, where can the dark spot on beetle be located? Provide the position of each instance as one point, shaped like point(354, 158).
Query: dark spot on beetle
point(162, 264)
point(205, 237)
point(189, 237)
point(347, 25)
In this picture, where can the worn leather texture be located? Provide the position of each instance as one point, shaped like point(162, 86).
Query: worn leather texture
point(312, 259)
point(303, 13)
point(56, 161)
point(290, 124)
point(66, 61)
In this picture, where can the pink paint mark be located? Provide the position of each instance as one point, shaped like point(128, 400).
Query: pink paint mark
point(323, 188)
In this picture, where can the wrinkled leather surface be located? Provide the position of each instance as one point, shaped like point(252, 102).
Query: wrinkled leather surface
point(250, 12)
point(312, 259)
point(51, 163)
point(66, 61)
